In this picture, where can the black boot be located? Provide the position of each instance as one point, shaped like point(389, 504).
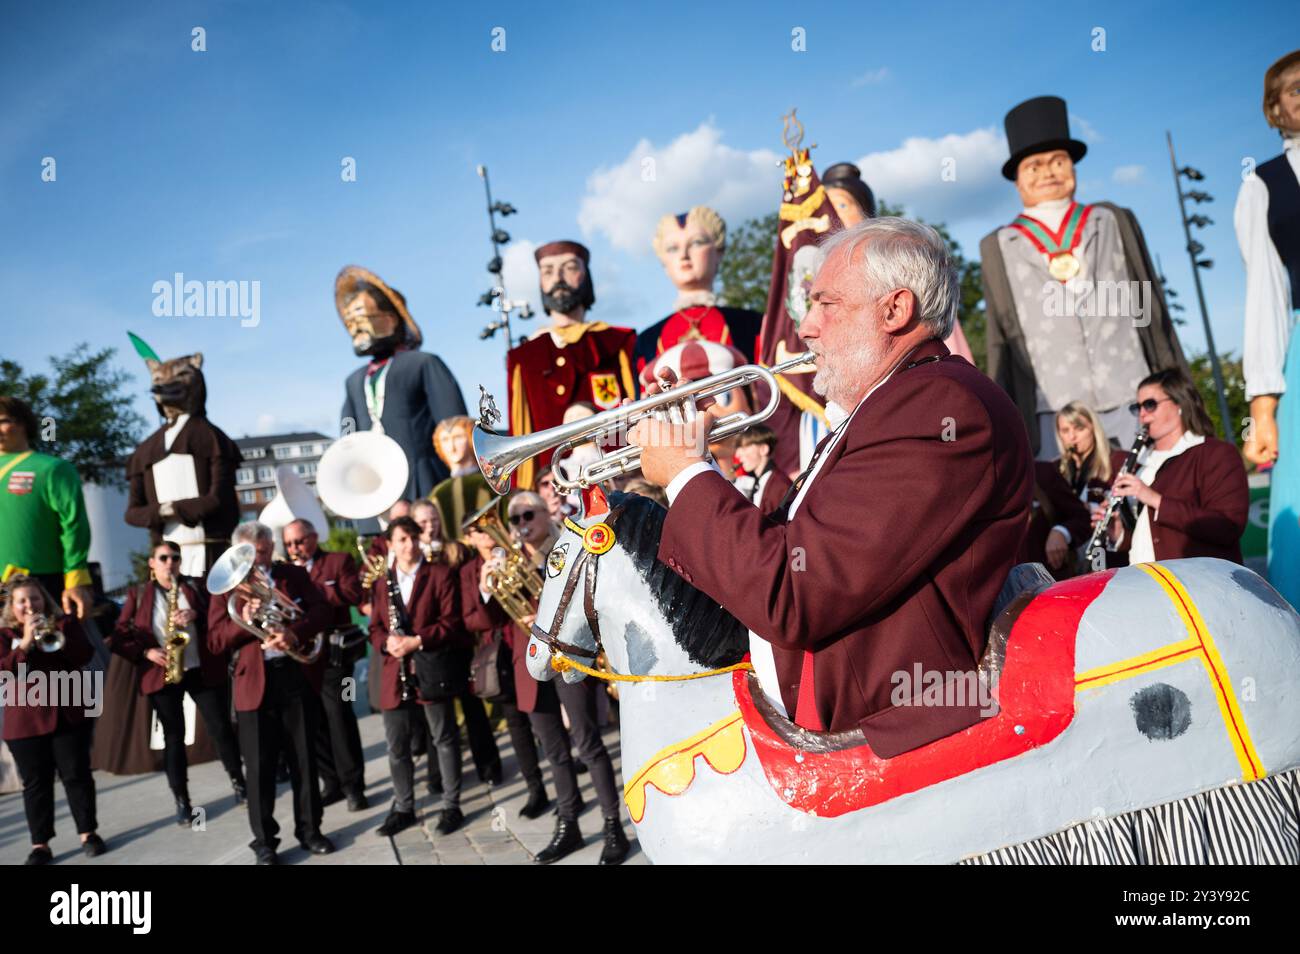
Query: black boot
point(184, 810)
point(240, 788)
point(566, 840)
point(538, 802)
point(616, 846)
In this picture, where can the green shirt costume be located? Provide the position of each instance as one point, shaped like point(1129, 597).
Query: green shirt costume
point(43, 523)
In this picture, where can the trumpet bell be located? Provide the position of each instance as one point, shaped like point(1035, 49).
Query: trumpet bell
point(231, 568)
point(362, 475)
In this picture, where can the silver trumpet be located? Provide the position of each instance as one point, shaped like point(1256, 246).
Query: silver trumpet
point(49, 638)
point(499, 455)
point(239, 565)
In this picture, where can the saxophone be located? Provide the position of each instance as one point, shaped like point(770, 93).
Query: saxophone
point(174, 640)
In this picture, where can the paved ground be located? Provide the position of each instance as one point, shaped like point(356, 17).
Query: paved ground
point(135, 816)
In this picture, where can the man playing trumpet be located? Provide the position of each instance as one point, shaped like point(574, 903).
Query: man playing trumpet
point(274, 708)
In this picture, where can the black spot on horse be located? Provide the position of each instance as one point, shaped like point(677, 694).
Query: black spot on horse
point(1258, 587)
point(1161, 711)
point(711, 636)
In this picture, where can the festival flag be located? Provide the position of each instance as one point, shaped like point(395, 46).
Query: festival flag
point(806, 217)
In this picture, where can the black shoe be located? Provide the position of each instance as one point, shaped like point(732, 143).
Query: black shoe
point(316, 843)
point(395, 822)
point(184, 811)
point(493, 775)
point(616, 846)
point(266, 855)
point(449, 821)
point(40, 856)
point(566, 840)
point(240, 788)
point(331, 797)
point(537, 803)
point(358, 802)
point(94, 846)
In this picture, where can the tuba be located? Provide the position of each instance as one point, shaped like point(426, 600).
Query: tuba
point(238, 565)
point(362, 475)
point(499, 455)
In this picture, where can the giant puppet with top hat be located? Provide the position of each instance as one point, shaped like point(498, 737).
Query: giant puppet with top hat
point(570, 361)
point(1267, 220)
point(402, 392)
point(1052, 338)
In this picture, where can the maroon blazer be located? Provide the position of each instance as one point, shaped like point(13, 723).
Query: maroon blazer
point(1067, 511)
point(483, 617)
point(774, 490)
point(433, 613)
point(133, 636)
point(26, 721)
point(339, 580)
point(1097, 486)
point(227, 636)
point(893, 559)
point(1205, 502)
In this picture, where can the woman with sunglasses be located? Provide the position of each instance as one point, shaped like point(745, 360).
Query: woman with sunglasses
point(1189, 495)
point(140, 637)
point(45, 732)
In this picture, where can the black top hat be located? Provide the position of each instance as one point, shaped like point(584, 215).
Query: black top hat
point(847, 176)
point(1039, 125)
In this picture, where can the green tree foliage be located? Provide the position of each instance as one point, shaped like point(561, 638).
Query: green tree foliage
point(1234, 384)
point(746, 274)
point(341, 540)
point(84, 409)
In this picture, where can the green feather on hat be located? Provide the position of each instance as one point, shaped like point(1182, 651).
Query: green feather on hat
point(142, 349)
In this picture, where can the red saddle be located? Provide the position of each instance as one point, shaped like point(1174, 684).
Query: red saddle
point(830, 773)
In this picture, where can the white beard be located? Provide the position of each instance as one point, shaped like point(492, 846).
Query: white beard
point(837, 379)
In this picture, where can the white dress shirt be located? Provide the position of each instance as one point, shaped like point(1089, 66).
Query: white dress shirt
point(1268, 289)
point(160, 625)
point(1143, 549)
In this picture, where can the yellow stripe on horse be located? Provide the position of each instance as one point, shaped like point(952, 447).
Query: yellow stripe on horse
point(672, 769)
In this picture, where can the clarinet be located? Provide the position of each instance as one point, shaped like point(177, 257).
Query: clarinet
point(407, 693)
point(1096, 546)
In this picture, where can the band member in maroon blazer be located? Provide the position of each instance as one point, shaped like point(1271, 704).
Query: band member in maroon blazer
point(484, 618)
point(1088, 461)
point(764, 484)
point(140, 636)
point(275, 704)
point(1059, 523)
point(1190, 493)
point(46, 724)
point(427, 620)
point(910, 518)
point(339, 759)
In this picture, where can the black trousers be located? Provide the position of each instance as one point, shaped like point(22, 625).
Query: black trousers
point(338, 743)
point(213, 703)
point(401, 726)
point(579, 700)
point(482, 742)
point(284, 723)
point(67, 751)
point(521, 736)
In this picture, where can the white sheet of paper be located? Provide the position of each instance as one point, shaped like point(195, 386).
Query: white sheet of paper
point(174, 478)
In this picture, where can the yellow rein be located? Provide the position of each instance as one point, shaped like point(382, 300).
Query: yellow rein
point(563, 663)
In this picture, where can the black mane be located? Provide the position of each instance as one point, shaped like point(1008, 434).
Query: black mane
point(711, 636)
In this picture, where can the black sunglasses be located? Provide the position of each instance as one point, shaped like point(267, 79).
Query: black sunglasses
point(525, 517)
point(1149, 405)
point(167, 558)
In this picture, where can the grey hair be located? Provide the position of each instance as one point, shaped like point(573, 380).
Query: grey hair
point(251, 532)
point(905, 254)
point(302, 522)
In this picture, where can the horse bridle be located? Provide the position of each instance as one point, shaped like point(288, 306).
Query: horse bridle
point(584, 570)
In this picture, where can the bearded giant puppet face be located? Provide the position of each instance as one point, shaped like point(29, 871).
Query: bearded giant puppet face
point(374, 330)
point(690, 247)
point(1045, 176)
point(566, 285)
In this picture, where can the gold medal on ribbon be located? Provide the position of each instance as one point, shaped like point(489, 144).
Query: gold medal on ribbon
point(1063, 267)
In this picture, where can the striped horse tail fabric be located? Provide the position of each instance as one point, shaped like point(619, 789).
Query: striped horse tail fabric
point(1247, 823)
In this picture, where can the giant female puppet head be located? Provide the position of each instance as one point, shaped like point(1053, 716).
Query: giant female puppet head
point(690, 247)
point(452, 442)
point(1282, 94)
point(564, 269)
point(375, 315)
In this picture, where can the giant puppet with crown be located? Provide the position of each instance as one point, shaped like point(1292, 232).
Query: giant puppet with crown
point(402, 392)
point(1052, 338)
point(570, 361)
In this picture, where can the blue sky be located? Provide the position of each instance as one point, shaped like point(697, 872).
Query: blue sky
point(225, 165)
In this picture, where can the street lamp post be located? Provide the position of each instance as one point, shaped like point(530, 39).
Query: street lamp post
point(495, 297)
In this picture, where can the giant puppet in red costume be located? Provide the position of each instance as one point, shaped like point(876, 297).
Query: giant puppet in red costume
point(572, 359)
point(690, 246)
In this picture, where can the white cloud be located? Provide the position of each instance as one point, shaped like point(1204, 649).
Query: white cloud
point(1128, 175)
point(871, 77)
point(1086, 130)
point(519, 275)
point(625, 202)
point(948, 179)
